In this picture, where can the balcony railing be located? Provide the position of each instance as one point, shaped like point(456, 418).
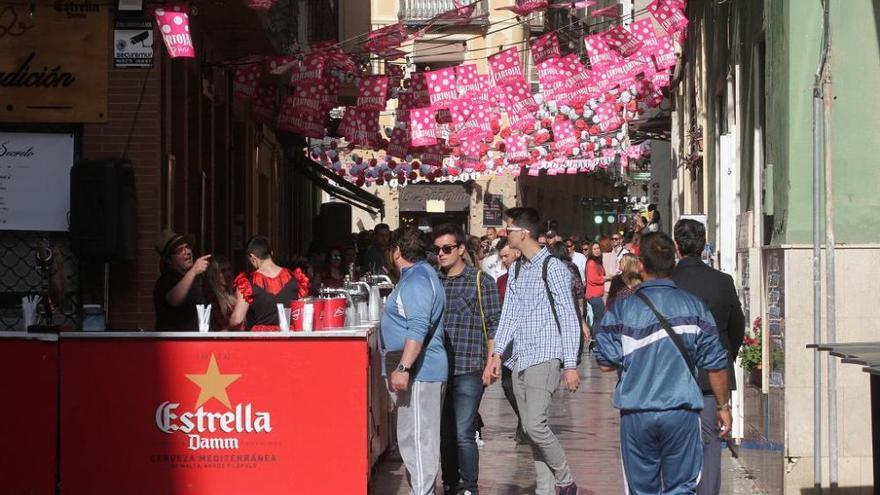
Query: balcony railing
point(420, 11)
point(537, 22)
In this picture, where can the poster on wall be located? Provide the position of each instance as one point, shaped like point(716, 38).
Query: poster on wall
point(35, 181)
point(493, 210)
point(133, 43)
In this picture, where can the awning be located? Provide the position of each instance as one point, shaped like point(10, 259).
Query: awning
point(338, 186)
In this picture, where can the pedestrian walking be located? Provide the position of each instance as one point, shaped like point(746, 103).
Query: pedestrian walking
point(540, 320)
point(469, 323)
point(508, 257)
point(656, 339)
point(717, 290)
point(596, 282)
point(414, 357)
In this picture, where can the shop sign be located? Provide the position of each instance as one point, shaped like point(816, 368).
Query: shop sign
point(133, 43)
point(416, 197)
point(493, 210)
point(54, 62)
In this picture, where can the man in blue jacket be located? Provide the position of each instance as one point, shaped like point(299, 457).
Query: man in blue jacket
point(412, 342)
point(656, 339)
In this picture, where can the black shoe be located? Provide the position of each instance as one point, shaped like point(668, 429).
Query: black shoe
point(571, 489)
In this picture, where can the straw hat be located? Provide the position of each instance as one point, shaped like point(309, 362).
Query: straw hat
point(168, 240)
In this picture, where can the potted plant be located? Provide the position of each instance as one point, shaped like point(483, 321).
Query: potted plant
point(750, 354)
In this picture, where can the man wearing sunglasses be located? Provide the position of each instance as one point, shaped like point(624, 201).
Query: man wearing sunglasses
point(472, 311)
point(540, 321)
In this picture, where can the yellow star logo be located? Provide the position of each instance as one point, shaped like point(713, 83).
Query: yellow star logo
point(213, 384)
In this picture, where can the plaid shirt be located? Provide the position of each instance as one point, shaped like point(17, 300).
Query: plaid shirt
point(465, 342)
point(527, 318)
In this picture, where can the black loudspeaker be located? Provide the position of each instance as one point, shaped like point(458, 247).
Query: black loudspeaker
point(103, 210)
point(334, 225)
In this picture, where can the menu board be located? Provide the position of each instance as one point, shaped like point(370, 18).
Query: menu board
point(35, 181)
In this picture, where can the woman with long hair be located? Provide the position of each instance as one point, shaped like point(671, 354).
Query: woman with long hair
point(266, 286)
point(595, 282)
point(559, 250)
point(625, 282)
point(334, 272)
point(219, 292)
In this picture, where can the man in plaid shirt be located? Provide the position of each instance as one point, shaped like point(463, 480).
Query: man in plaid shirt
point(470, 320)
point(540, 321)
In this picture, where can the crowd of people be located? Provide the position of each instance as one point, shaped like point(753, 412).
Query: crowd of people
point(522, 304)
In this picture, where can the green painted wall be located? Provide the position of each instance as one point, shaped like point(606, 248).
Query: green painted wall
point(793, 35)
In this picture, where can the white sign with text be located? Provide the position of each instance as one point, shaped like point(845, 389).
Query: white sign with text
point(35, 181)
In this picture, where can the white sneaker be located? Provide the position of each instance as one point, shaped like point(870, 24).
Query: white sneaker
point(479, 441)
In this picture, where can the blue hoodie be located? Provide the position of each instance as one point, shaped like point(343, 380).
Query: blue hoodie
point(654, 376)
point(414, 311)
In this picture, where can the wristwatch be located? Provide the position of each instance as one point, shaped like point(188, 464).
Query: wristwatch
point(721, 407)
point(403, 369)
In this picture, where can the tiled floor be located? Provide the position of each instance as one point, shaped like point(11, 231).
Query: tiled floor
point(588, 428)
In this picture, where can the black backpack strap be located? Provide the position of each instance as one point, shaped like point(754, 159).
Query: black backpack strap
point(550, 294)
point(676, 338)
point(516, 265)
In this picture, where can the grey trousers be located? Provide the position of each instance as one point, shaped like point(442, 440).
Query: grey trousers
point(418, 433)
point(534, 388)
point(710, 480)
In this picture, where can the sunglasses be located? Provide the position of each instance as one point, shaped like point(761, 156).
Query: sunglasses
point(517, 229)
point(447, 249)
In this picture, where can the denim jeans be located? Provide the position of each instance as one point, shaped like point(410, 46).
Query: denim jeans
point(459, 455)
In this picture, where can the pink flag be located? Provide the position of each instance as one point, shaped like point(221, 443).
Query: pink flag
point(609, 118)
point(620, 39)
point(398, 146)
point(373, 93)
point(441, 87)
point(611, 11)
point(661, 80)
point(599, 52)
point(665, 55)
point(311, 69)
point(669, 14)
point(563, 136)
point(299, 123)
point(173, 22)
point(245, 81)
point(263, 105)
point(330, 96)
point(432, 155)
point(280, 64)
point(471, 153)
point(516, 149)
point(549, 71)
point(308, 98)
point(423, 126)
point(260, 4)
point(520, 98)
point(363, 127)
point(544, 47)
point(395, 75)
point(386, 38)
point(643, 30)
point(526, 7)
point(506, 68)
point(419, 86)
point(468, 81)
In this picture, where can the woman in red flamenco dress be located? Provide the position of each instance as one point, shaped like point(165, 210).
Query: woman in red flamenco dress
point(259, 293)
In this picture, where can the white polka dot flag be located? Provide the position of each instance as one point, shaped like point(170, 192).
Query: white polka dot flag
point(398, 145)
point(373, 93)
point(669, 14)
point(550, 71)
point(442, 89)
point(423, 126)
point(665, 54)
point(471, 152)
point(506, 67)
point(609, 117)
point(544, 47)
point(600, 53)
point(280, 64)
point(643, 30)
point(263, 105)
point(526, 7)
point(299, 123)
point(245, 80)
point(361, 126)
point(563, 136)
point(468, 81)
point(260, 4)
point(516, 148)
point(621, 39)
point(173, 22)
point(419, 87)
point(309, 70)
point(385, 39)
point(395, 75)
point(310, 97)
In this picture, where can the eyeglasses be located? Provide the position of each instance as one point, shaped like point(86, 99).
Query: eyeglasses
point(447, 249)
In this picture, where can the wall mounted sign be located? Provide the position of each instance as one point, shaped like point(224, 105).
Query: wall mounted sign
point(133, 43)
point(493, 210)
point(416, 197)
point(35, 181)
point(54, 63)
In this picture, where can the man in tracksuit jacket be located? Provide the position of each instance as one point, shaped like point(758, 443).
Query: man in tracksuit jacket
point(412, 335)
point(657, 395)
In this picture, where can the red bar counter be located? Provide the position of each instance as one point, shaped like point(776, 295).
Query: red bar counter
point(221, 413)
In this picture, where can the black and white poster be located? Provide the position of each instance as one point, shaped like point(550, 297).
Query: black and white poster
point(133, 43)
point(35, 181)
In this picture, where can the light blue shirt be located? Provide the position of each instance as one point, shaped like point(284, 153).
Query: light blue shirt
point(414, 311)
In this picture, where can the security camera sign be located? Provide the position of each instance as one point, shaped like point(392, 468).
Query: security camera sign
point(133, 43)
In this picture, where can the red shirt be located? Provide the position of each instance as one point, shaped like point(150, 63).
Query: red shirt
point(502, 287)
point(595, 279)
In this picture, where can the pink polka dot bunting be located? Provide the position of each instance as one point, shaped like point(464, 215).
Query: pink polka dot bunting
point(298, 123)
point(550, 71)
point(423, 125)
point(516, 148)
point(506, 68)
point(665, 55)
point(173, 23)
point(643, 30)
point(246, 78)
point(563, 136)
point(442, 89)
point(669, 14)
point(373, 93)
point(467, 81)
point(544, 47)
point(599, 52)
point(620, 39)
point(310, 69)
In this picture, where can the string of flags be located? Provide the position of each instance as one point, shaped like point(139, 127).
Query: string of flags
point(456, 123)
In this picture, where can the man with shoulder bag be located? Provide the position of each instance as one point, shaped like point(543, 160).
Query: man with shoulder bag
point(472, 311)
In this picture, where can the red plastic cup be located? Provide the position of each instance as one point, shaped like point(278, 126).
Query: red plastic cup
point(319, 314)
point(296, 312)
point(334, 313)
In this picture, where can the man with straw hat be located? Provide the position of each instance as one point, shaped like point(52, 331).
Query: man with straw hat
point(179, 288)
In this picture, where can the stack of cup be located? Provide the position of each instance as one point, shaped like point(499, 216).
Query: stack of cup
point(283, 318)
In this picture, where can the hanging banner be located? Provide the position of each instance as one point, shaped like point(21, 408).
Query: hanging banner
point(668, 13)
point(173, 22)
point(544, 47)
point(423, 126)
point(467, 79)
point(665, 54)
point(620, 39)
point(600, 53)
point(245, 81)
point(54, 67)
point(299, 123)
point(516, 148)
point(373, 93)
point(506, 68)
point(441, 88)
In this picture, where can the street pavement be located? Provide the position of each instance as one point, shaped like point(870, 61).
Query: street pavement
point(588, 427)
